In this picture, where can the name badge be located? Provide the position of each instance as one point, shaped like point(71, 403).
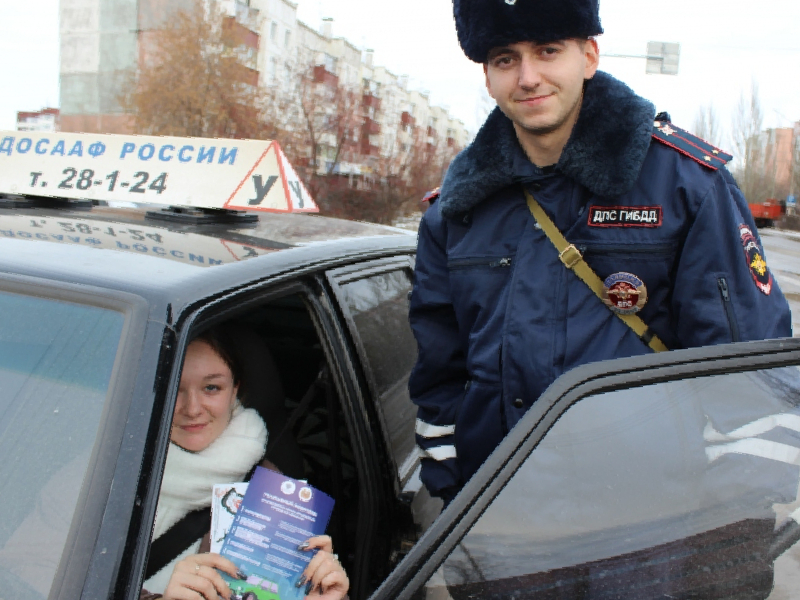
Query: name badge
point(625, 216)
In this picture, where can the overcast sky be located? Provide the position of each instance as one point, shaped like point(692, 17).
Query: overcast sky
point(725, 44)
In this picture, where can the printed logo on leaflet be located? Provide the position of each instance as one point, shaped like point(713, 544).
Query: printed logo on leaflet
point(755, 260)
point(288, 487)
point(625, 216)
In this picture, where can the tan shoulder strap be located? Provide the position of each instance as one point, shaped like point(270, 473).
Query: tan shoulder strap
point(573, 260)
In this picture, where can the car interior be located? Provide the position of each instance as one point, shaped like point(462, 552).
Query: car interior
point(287, 380)
point(285, 377)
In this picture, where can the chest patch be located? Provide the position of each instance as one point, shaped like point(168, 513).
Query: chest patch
point(625, 216)
point(755, 260)
point(624, 293)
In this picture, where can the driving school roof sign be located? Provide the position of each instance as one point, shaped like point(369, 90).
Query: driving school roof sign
point(210, 173)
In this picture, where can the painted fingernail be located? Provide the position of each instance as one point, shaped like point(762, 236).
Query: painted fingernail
point(300, 581)
point(309, 586)
point(241, 575)
point(303, 546)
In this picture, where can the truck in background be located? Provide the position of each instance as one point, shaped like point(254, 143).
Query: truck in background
point(767, 212)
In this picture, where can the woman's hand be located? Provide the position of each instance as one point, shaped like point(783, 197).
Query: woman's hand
point(324, 574)
point(195, 578)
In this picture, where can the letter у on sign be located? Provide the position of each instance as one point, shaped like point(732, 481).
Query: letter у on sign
point(242, 175)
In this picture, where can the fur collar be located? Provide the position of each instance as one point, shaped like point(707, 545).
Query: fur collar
point(604, 153)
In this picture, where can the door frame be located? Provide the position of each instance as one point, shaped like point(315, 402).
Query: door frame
point(595, 378)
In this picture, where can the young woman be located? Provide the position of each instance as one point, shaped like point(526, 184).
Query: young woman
point(214, 439)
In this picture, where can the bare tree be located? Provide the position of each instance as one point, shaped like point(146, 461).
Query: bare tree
point(193, 81)
point(750, 145)
point(398, 180)
point(706, 125)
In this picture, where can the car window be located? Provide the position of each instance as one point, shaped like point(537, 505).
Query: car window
point(378, 305)
point(668, 490)
point(56, 362)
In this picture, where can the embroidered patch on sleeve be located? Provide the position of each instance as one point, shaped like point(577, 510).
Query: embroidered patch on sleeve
point(625, 216)
point(755, 260)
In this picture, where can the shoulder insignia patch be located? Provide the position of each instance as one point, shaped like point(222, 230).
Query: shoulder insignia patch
point(690, 145)
point(431, 196)
point(755, 260)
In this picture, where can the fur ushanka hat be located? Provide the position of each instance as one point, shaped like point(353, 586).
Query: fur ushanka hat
point(486, 24)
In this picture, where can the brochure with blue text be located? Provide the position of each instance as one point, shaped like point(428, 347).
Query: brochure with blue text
point(277, 514)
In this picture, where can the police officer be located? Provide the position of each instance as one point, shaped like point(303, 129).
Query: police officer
point(577, 227)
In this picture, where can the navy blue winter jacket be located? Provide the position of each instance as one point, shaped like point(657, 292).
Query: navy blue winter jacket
point(498, 317)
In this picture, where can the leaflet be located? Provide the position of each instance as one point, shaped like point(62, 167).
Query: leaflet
point(277, 514)
point(225, 502)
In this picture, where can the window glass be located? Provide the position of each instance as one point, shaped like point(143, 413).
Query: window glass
point(56, 360)
point(671, 490)
point(379, 307)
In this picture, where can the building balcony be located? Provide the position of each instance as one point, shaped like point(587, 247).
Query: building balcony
point(407, 120)
point(371, 127)
point(322, 75)
point(246, 57)
point(235, 34)
point(367, 149)
point(249, 76)
point(242, 72)
point(370, 101)
point(247, 16)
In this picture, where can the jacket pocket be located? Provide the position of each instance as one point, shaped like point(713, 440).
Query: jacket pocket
point(629, 251)
point(654, 264)
point(727, 305)
point(481, 262)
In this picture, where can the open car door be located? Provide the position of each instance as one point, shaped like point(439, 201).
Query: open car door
point(669, 476)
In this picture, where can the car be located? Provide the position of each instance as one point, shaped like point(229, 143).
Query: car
point(669, 475)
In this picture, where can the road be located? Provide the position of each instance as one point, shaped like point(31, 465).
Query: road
point(783, 257)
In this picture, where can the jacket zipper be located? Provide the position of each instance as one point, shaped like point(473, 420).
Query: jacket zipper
point(465, 263)
point(722, 284)
point(621, 249)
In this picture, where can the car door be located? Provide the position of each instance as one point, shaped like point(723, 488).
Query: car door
point(373, 299)
point(668, 476)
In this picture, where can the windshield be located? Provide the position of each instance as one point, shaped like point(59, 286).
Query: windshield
point(56, 360)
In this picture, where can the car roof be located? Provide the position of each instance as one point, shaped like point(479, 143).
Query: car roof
point(121, 246)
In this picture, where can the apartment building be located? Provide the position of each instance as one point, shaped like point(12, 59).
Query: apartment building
point(40, 120)
point(780, 157)
point(104, 41)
